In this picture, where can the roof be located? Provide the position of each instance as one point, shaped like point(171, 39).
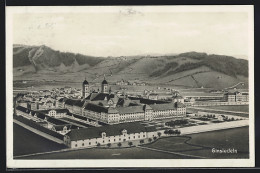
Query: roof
point(23, 109)
point(162, 107)
point(130, 109)
point(71, 102)
point(147, 107)
point(40, 115)
point(95, 108)
point(112, 111)
point(232, 93)
point(62, 110)
point(85, 82)
point(79, 103)
point(104, 82)
point(150, 128)
point(179, 105)
point(63, 99)
point(78, 116)
point(148, 101)
point(110, 130)
point(103, 103)
point(42, 123)
point(101, 96)
point(123, 102)
point(177, 97)
point(56, 121)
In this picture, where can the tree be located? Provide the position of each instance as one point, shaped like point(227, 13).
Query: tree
point(170, 132)
point(119, 144)
point(159, 134)
point(109, 144)
point(150, 139)
point(166, 132)
point(130, 143)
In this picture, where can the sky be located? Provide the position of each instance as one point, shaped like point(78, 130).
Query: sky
point(135, 32)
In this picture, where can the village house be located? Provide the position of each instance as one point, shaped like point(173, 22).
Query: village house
point(56, 113)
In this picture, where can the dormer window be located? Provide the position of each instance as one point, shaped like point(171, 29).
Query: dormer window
point(124, 132)
point(103, 134)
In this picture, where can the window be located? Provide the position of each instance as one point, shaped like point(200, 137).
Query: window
point(103, 141)
point(114, 139)
point(89, 143)
point(129, 137)
point(143, 135)
point(82, 144)
point(76, 145)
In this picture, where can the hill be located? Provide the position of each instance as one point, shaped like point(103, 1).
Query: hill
point(44, 58)
point(190, 69)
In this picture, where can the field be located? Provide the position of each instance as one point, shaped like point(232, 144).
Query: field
point(201, 144)
point(168, 148)
point(212, 110)
point(27, 142)
point(238, 108)
point(237, 138)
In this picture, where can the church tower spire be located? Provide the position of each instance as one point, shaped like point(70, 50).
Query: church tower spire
point(104, 86)
point(85, 88)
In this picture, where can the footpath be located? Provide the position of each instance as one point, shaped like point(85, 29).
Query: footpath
point(213, 127)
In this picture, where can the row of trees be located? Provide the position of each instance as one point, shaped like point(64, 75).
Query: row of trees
point(176, 122)
point(172, 132)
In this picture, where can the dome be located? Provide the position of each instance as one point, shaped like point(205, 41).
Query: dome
point(85, 82)
point(104, 81)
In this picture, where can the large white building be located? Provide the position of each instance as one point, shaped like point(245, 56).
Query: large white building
point(112, 109)
point(236, 97)
point(89, 137)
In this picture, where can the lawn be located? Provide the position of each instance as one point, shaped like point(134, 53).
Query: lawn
point(236, 108)
point(175, 144)
point(201, 144)
point(27, 142)
point(237, 138)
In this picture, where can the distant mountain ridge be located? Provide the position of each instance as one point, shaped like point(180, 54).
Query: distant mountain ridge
point(189, 69)
point(42, 57)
